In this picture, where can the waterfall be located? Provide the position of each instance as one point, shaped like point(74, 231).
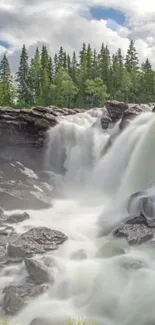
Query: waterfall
point(93, 187)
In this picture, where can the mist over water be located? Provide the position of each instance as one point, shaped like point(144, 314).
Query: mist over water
point(91, 193)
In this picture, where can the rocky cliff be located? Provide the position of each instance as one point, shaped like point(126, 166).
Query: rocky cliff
point(23, 140)
point(23, 133)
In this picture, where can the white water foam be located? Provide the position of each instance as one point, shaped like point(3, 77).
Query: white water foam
point(88, 282)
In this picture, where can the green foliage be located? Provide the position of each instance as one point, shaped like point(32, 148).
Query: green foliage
point(23, 79)
point(96, 92)
point(6, 83)
point(85, 79)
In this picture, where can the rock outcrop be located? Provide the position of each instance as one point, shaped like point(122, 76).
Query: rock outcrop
point(22, 188)
point(116, 109)
point(16, 297)
point(136, 230)
point(37, 271)
point(36, 241)
point(125, 112)
point(23, 133)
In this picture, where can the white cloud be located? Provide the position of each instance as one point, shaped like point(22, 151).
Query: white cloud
point(68, 23)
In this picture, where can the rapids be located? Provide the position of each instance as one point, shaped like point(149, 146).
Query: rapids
point(91, 193)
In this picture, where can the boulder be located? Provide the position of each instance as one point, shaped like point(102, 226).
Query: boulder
point(135, 234)
point(36, 241)
point(16, 297)
point(129, 115)
point(115, 109)
point(105, 122)
point(37, 271)
point(17, 217)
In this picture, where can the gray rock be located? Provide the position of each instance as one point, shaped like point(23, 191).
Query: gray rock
point(16, 297)
point(40, 321)
point(115, 109)
point(17, 217)
point(37, 271)
point(129, 114)
point(134, 265)
point(36, 241)
point(79, 255)
point(105, 121)
point(135, 234)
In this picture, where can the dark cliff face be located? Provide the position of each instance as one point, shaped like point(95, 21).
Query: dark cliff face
point(23, 133)
point(23, 144)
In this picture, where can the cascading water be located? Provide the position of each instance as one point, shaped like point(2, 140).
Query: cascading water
point(88, 282)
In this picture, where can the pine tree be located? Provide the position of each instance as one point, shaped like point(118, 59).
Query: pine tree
point(132, 61)
point(95, 70)
point(25, 94)
point(104, 64)
point(35, 76)
point(120, 57)
point(69, 69)
point(89, 61)
point(6, 84)
point(82, 75)
point(56, 63)
point(74, 66)
point(147, 93)
point(50, 69)
point(65, 60)
point(44, 58)
point(61, 58)
point(132, 67)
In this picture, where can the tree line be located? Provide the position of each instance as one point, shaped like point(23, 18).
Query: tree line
point(83, 80)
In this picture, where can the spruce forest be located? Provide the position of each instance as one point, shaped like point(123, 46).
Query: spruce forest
point(84, 80)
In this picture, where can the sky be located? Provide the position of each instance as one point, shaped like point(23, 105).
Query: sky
point(71, 22)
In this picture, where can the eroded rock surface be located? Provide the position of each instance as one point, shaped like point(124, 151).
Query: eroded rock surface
point(36, 241)
point(136, 229)
point(135, 234)
point(22, 188)
point(37, 271)
point(16, 297)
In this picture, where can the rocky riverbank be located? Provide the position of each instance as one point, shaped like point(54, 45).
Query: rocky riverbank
point(25, 186)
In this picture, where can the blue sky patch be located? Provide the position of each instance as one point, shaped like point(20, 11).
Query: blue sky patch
point(108, 14)
point(4, 44)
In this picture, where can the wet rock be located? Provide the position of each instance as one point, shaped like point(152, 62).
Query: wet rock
point(17, 217)
point(116, 109)
point(40, 321)
point(36, 241)
point(129, 115)
point(21, 188)
point(16, 297)
point(134, 265)
point(23, 133)
point(37, 271)
point(137, 220)
point(79, 255)
point(105, 122)
point(135, 234)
